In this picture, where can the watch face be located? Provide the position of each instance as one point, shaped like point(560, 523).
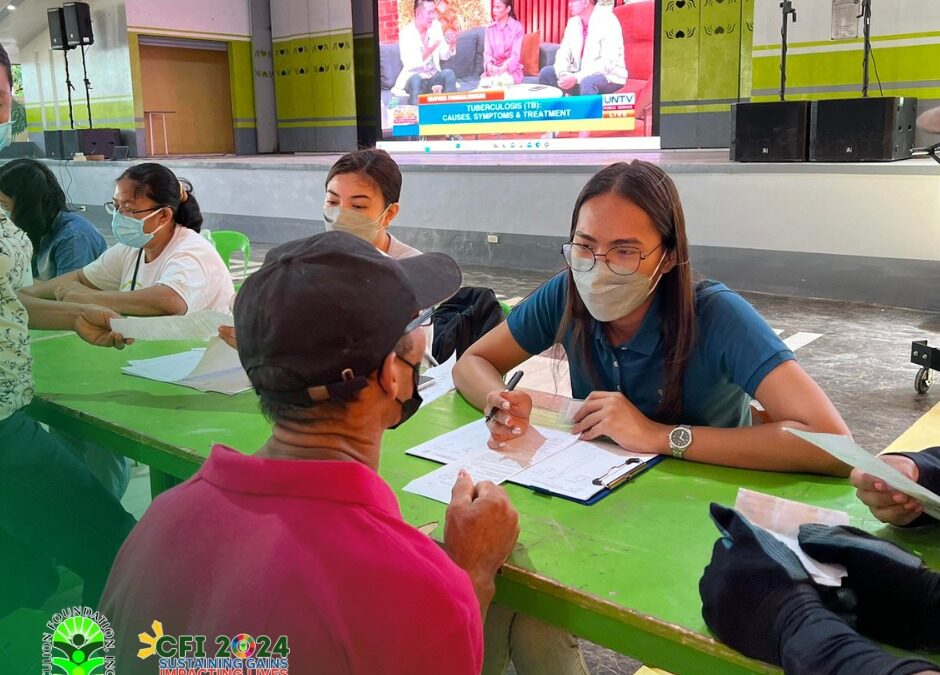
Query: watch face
point(680, 437)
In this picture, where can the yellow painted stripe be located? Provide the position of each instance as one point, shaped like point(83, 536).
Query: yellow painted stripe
point(686, 109)
point(895, 64)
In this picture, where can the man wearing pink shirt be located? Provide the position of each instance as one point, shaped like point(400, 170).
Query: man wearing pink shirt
point(304, 539)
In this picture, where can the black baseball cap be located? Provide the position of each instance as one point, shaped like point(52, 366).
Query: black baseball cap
point(329, 309)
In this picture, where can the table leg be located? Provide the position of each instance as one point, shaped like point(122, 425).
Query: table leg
point(166, 142)
point(150, 124)
point(160, 482)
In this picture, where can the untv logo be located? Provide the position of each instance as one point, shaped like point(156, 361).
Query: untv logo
point(626, 98)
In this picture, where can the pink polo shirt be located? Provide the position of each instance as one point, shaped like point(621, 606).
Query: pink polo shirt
point(313, 550)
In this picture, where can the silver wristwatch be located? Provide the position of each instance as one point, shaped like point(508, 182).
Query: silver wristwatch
point(680, 439)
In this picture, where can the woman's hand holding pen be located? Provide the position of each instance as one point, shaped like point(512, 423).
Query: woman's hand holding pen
point(609, 413)
point(511, 418)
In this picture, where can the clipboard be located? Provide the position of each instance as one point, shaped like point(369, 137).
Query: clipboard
point(604, 489)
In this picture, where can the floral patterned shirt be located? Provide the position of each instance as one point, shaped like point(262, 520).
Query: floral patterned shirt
point(16, 374)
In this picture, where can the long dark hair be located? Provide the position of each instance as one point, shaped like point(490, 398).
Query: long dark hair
point(650, 188)
point(162, 186)
point(37, 197)
point(377, 165)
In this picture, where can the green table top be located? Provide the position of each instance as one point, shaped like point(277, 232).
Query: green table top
point(623, 572)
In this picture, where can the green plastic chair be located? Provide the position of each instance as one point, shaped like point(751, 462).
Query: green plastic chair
point(227, 242)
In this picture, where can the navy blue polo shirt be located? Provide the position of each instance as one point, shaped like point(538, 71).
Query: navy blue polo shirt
point(71, 243)
point(734, 351)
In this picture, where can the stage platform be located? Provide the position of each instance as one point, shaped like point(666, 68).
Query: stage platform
point(866, 232)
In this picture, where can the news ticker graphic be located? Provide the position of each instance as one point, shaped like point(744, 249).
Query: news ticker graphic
point(489, 112)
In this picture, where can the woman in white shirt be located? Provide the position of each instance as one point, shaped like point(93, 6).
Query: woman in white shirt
point(161, 265)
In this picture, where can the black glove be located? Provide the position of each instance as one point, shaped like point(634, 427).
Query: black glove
point(898, 597)
point(751, 579)
point(928, 475)
point(758, 599)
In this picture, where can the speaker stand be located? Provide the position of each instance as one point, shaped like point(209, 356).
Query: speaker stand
point(787, 9)
point(865, 16)
point(69, 88)
point(87, 88)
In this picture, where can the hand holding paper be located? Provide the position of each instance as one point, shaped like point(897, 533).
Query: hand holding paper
point(845, 450)
point(887, 504)
point(196, 326)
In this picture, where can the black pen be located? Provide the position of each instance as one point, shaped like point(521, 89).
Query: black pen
point(513, 381)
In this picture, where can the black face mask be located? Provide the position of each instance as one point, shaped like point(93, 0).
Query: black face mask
point(411, 406)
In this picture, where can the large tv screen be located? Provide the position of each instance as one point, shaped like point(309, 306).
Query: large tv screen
point(517, 74)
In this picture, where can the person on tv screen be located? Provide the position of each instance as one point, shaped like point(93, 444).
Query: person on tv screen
point(590, 59)
point(423, 46)
point(502, 45)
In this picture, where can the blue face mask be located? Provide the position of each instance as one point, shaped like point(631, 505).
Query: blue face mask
point(130, 231)
point(6, 134)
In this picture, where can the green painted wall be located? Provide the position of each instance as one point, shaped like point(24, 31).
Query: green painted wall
point(314, 81)
point(706, 49)
point(904, 69)
point(242, 84)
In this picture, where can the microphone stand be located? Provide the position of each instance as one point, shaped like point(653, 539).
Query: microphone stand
point(865, 16)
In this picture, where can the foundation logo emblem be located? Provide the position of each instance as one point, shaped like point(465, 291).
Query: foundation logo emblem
point(78, 641)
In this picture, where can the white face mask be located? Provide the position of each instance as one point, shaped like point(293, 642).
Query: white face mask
point(610, 296)
point(353, 222)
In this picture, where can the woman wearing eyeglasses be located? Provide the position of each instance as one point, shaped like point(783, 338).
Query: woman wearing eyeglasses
point(666, 364)
point(161, 264)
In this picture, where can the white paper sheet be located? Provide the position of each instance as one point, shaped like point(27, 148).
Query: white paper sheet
point(443, 381)
point(215, 368)
point(845, 450)
point(465, 448)
point(782, 518)
point(537, 443)
point(572, 471)
point(196, 326)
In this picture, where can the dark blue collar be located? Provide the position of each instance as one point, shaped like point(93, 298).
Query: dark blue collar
point(647, 338)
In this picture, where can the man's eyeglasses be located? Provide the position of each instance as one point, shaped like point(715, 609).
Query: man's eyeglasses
point(622, 260)
point(422, 320)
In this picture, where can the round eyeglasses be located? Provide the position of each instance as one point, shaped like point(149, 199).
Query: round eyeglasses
point(112, 208)
point(622, 260)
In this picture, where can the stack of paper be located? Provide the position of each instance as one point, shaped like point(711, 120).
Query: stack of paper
point(214, 368)
point(543, 459)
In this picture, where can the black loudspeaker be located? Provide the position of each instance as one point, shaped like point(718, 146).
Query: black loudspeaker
point(78, 24)
point(61, 144)
point(770, 132)
point(879, 129)
point(98, 141)
point(56, 28)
